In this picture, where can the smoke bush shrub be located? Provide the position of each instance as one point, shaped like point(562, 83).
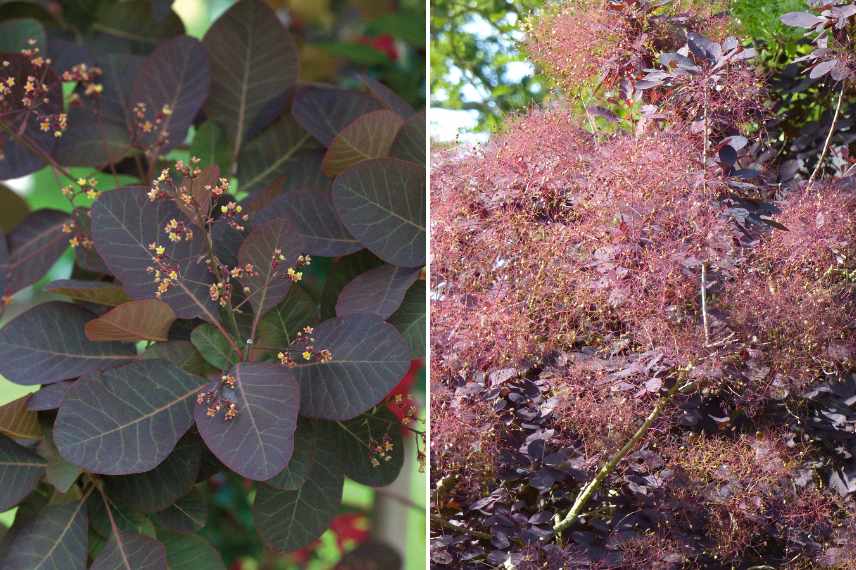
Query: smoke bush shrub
point(197, 336)
point(568, 268)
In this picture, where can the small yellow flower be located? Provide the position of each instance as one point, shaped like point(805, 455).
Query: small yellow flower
point(307, 355)
point(81, 181)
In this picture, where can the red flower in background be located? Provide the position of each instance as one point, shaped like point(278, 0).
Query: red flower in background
point(384, 43)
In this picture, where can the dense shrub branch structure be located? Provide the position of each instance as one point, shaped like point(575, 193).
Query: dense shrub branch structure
point(246, 305)
point(641, 325)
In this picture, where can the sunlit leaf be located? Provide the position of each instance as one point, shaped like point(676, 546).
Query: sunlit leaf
point(19, 422)
point(147, 319)
point(99, 292)
point(107, 425)
point(258, 442)
point(14, 209)
point(368, 136)
point(29, 354)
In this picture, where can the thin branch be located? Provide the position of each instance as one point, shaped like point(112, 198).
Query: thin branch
point(704, 304)
point(560, 524)
point(828, 139)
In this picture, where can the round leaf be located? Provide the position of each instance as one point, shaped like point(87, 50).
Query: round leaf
point(382, 203)
point(126, 420)
point(30, 354)
point(369, 358)
point(258, 442)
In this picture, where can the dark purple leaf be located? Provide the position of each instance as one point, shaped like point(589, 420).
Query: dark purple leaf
point(369, 358)
point(703, 48)
point(410, 319)
point(99, 129)
point(17, 160)
point(288, 520)
point(801, 19)
point(48, 397)
point(31, 353)
point(388, 97)
point(188, 514)
point(269, 283)
point(55, 538)
point(20, 472)
point(280, 326)
point(727, 155)
point(174, 76)
point(410, 142)
point(125, 223)
point(131, 551)
point(253, 61)
point(159, 488)
point(382, 203)
point(34, 246)
point(822, 68)
point(302, 461)
point(341, 272)
point(86, 255)
point(324, 111)
point(358, 438)
point(190, 552)
point(275, 153)
point(379, 291)
point(312, 210)
point(259, 441)
point(108, 425)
